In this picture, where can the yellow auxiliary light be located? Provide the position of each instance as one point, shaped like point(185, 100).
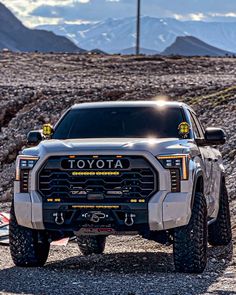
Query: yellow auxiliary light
point(47, 130)
point(184, 128)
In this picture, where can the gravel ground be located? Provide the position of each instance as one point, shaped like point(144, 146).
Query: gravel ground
point(129, 266)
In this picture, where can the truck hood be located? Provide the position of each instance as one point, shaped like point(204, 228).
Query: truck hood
point(74, 146)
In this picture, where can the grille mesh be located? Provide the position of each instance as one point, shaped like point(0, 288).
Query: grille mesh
point(139, 181)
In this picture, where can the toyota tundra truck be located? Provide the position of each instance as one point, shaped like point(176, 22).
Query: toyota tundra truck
point(145, 168)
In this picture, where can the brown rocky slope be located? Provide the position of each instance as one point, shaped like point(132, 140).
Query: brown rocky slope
point(37, 88)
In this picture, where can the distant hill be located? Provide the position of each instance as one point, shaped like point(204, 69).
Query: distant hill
point(97, 51)
point(145, 51)
point(113, 35)
point(16, 37)
point(191, 46)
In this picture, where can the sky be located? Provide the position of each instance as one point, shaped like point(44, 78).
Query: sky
point(37, 12)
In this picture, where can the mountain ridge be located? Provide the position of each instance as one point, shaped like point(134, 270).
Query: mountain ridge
point(16, 37)
point(113, 35)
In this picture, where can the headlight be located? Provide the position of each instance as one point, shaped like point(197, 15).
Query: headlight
point(23, 166)
point(179, 162)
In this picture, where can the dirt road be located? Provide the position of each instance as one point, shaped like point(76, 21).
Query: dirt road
point(130, 266)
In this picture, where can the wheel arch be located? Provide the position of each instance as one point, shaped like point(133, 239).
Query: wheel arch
point(198, 184)
point(223, 178)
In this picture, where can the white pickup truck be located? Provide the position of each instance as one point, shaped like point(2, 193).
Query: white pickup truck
point(121, 168)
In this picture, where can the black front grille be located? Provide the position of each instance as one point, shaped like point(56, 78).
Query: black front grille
point(138, 181)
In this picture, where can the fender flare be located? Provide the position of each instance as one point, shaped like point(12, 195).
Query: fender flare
point(198, 173)
point(223, 175)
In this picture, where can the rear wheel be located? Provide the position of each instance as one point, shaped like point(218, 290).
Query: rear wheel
point(91, 244)
point(220, 233)
point(190, 241)
point(28, 247)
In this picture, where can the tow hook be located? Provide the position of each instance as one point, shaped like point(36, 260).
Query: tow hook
point(129, 219)
point(95, 217)
point(59, 218)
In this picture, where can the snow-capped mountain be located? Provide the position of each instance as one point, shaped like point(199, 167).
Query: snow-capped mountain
point(114, 35)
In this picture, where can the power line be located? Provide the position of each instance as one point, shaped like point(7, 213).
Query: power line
point(138, 27)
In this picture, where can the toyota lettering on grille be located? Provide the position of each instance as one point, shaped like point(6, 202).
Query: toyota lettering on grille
point(95, 164)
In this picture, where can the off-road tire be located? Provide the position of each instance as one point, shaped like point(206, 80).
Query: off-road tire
point(89, 245)
point(219, 232)
point(190, 241)
point(25, 248)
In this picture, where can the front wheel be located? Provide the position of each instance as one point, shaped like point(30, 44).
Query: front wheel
point(28, 247)
point(91, 244)
point(190, 241)
point(220, 233)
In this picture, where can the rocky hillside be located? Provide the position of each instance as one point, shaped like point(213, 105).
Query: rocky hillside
point(191, 46)
point(37, 88)
point(16, 37)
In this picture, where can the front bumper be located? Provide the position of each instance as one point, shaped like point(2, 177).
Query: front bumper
point(115, 217)
point(164, 210)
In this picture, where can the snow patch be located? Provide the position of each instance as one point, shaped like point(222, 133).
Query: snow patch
point(161, 37)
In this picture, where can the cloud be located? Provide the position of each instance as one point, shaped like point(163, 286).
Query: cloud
point(210, 17)
point(90, 10)
point(191, 16)
point(33, 12)
point(228, 14)
point(23, 9)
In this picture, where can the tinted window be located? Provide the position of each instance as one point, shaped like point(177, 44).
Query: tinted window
point(199, 126)
point(195, 128)
point(128, 122)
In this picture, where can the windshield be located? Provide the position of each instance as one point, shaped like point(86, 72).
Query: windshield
point(120, 122)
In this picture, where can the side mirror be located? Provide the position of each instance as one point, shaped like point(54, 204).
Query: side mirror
point(215, 136)
point(34, 137)
point(48, 130)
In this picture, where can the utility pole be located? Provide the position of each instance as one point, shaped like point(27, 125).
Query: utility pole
point(138, 27)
